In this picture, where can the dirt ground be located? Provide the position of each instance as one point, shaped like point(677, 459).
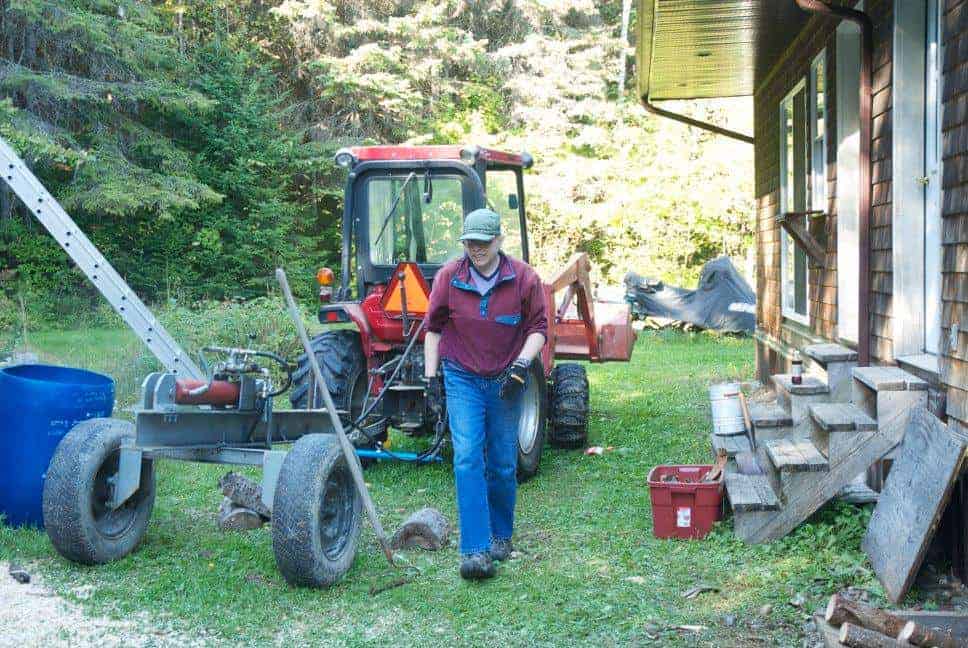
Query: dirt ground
point(32, 615)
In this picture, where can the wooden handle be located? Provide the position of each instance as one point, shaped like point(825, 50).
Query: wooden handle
point(348, 451)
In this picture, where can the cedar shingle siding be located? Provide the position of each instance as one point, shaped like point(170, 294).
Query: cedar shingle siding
point(954, 210)
point(818, 34)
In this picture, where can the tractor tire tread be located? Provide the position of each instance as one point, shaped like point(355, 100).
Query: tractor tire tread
point(569, 406)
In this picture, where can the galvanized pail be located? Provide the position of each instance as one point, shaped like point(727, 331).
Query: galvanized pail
point(727, 410)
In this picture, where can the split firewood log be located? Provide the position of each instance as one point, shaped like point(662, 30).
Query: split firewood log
point(244, 493)
point(232, 517)
point(854, 636)
point(915, 634)
point(427, 529)
point(841, 610)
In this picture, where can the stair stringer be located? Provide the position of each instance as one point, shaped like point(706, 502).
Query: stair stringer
point(804, 493)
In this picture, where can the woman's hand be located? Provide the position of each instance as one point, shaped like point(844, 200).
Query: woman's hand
point(435, 394)
point(515, 379)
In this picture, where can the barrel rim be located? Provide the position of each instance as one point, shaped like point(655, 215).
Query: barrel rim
point(93, 379)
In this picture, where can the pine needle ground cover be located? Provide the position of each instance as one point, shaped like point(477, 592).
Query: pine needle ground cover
point(589, 570)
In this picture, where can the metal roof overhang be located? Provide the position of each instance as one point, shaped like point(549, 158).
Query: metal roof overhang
point(700, 49)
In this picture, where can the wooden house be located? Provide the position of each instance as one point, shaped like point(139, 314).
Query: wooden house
point(861, 180)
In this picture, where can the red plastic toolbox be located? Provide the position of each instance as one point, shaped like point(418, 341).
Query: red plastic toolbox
point(686, 507)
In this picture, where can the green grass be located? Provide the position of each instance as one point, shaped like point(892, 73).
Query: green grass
point(584, 530)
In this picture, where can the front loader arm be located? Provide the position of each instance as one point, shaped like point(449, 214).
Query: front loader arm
point(609, 337)
point(574, 279)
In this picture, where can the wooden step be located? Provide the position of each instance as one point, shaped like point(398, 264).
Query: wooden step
point(889, 379)
point(750, 493)
point(828, 353)
point(809, 386)
point(795, 455)
point(731, 444)
point(769, 415)
point(841, 417)
point(804, 493)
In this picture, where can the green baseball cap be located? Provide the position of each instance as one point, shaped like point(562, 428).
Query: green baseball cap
point(481, 225)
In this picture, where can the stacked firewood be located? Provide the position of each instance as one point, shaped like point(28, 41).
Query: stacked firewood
point(863, 626)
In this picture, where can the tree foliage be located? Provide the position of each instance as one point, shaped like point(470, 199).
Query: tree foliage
point(192, 142)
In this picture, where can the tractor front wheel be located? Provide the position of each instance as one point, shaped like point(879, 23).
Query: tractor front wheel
point(341, 360)
point(569, 406)
point(531, 425)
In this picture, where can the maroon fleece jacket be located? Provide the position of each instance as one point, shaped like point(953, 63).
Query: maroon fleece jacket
point(485, 333)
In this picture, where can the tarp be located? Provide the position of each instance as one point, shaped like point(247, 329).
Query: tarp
point(722, 301)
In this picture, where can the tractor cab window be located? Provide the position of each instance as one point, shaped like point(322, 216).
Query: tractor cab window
point(503, 197)
point(417, 230)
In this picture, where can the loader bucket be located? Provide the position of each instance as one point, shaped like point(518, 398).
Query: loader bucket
point(613, 333)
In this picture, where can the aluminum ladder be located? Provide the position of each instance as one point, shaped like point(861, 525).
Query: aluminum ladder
point(89, 259)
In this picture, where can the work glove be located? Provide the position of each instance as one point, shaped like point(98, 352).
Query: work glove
point(515, 378)
point(435, 394)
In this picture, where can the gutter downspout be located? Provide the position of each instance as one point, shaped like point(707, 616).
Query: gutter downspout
point(864, 195)
point(719, 130)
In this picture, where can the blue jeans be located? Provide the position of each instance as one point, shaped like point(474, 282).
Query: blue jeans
point(484, 431)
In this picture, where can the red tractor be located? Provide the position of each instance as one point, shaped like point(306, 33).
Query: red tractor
point(404, 209)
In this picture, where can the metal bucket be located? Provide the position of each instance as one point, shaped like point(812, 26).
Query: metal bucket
point(39, 404)
point(727, 410)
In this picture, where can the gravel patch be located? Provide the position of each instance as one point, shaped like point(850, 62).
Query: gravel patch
point(33, 615)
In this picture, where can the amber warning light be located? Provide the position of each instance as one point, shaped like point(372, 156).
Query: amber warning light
point(324, 277)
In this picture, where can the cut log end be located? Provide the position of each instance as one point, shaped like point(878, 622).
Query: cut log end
point(915, 634)
point(238, 518)
point(835, 614)
point(427, 529)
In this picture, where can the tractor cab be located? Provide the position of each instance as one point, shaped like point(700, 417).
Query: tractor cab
point(407, 204)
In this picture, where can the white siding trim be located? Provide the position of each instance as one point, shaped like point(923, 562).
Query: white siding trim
point(907, 318)
point(848, 178)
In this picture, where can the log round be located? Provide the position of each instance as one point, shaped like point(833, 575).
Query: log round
point(842, 610)
point(915, 634)
point(427, 529)
point(854, 636)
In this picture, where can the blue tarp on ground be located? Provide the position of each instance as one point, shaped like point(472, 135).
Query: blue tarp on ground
point(722, 301)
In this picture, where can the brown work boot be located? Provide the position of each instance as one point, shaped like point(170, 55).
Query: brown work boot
point(477, 566)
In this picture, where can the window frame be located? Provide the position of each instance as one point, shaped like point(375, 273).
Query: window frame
point(818, 190)
point(787, 310)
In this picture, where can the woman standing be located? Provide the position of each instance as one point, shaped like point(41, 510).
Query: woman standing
point(487, 323)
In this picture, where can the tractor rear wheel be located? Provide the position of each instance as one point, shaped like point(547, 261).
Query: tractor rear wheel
point(531, 425)
point(316, 514)
point(569, 406)
point(341, 360)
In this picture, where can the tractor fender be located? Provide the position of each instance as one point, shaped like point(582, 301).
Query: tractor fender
point(353, 313)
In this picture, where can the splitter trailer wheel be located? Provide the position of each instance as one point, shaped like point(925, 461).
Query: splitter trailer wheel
point(316, 518)
point(79, 484)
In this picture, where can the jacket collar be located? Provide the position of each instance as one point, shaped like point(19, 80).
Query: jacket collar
point(462, 277)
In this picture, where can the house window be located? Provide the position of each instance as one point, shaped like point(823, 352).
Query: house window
point(818, 135)
point(803, 187)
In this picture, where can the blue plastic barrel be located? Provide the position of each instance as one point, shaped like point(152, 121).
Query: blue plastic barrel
point(39, 404)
